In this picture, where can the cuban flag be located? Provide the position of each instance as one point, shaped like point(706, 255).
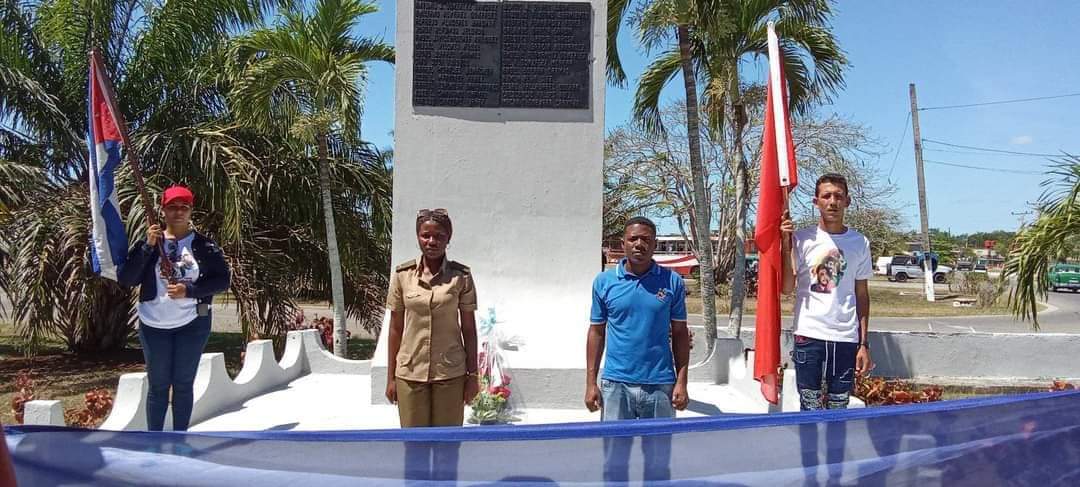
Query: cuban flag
point(109, 240)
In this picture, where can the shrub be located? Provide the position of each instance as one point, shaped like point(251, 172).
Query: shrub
point(324, 324)
point(876, 391)
point(96, 407)
point(1060, 385)
point(968, 283)
point(24, 392)
point(986, 291)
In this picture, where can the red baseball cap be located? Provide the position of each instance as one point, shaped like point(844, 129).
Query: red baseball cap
point(177, 193)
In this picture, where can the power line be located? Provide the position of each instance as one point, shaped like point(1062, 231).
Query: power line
point(987, 149)
point(978, 153)
point(994, 170)
point(1000, 102)
point(907, 123)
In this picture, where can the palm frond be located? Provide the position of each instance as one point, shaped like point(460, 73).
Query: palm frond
point(616, 11)
point(651, 85)
point(1047, 239)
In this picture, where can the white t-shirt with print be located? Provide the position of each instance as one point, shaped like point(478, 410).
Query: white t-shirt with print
point(828, 266)
point(163, 311)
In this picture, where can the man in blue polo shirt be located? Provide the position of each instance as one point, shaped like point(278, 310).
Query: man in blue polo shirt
point(639, 313)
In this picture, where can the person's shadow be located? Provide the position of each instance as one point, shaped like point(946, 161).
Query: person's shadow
point(655, 448)
point(427, 461)
point(835, 442)
point(34, 458)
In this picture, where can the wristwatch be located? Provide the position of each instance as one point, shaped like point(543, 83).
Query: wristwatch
point(864, 344)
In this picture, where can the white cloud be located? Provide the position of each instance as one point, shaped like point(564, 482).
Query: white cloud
point(1021, 140)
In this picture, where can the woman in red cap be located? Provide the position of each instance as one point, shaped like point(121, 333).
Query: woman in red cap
point(174, 310)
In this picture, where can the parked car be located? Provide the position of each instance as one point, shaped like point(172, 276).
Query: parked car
point(1064, 276)
point(881, 266)
point(966, 265)
point(904, 267)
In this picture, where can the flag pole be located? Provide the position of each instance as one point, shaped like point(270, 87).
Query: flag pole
point(98, 63)
point(779, 120)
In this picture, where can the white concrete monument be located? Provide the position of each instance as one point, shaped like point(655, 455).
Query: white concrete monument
point(500, 120)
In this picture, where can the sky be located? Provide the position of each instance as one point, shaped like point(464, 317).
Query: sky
point(956, 52)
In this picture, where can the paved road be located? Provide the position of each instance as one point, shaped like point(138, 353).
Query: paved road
point(1062, 317)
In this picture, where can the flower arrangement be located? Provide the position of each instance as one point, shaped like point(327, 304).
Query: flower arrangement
point(491, 404)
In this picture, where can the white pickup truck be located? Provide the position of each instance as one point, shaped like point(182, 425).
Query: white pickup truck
point(904, 267)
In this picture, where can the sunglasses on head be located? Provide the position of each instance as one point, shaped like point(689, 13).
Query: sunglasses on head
point(432, 212)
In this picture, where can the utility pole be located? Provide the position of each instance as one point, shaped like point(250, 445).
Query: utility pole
point(928, 271)
point(1022, 216)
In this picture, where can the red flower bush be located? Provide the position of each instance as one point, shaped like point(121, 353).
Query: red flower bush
point(24, 392)
point(98, 404)
point(324, 324)
point(876, 391)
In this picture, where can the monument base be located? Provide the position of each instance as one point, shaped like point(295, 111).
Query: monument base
point(546, 375)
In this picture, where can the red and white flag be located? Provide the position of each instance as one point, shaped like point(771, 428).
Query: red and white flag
point(779, 174)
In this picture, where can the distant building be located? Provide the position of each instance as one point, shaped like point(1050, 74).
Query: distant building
point(673, 252)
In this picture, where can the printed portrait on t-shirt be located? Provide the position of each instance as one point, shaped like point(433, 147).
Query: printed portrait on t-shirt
point(826, 270)
point(182, 261)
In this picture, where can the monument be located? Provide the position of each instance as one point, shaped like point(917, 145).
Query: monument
point(500, 120)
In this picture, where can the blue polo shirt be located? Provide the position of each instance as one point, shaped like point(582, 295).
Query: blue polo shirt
point(638, 311)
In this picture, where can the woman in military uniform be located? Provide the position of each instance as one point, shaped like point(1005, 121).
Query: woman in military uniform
point(431, 367)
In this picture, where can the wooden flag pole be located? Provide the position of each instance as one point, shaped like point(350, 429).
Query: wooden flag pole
point(97, 61)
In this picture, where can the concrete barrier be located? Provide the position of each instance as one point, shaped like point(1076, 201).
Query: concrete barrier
point(991, 357)
point(49, 413)
point(215, 391)
point(129, 406)
point(321, 361)
point(913, 355)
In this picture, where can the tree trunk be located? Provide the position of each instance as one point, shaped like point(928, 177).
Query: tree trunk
point(738, 273)
point(102, 326)
point(336, 283)
point(702, 205)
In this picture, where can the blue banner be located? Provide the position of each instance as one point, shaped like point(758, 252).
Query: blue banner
point(1029, 439)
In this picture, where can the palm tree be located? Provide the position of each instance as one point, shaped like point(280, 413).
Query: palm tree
point(715, 36)
point(658, 22)
point(304, 79)
point(1050, 238)
point(149, 48)
point(167, 61)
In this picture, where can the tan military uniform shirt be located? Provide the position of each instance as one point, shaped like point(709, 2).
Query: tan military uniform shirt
point(431, 343)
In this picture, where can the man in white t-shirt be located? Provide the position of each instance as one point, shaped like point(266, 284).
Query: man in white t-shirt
point(828, 271)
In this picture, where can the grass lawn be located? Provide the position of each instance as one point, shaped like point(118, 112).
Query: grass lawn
point(65, 376)
point(884, 302)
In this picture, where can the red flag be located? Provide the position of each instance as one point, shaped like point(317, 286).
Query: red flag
point(7, 467)
point(777, 158)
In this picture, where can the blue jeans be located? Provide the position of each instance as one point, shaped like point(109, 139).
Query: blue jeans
point(172, 358)
point(820, 360)
point(636, 401)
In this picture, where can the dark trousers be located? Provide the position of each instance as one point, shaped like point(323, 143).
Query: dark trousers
point(172, 358)
point(818, 361)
